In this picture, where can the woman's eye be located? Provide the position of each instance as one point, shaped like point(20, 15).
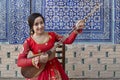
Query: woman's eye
point(41, 22)
point(36, 24)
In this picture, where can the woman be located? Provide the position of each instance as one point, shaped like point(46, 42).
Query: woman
point(40, 42)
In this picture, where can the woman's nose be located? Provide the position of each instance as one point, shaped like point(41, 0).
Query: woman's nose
point(40, 26)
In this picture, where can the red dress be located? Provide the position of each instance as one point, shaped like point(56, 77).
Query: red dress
point(53, 69)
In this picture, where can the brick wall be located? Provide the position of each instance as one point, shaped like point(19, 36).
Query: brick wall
point(82, 61)
point(8, 59)
point(93, 61)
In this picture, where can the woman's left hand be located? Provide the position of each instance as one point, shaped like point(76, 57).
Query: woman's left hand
point(80, 24)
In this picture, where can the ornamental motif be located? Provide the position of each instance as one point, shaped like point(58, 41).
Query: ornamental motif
point(61, 15)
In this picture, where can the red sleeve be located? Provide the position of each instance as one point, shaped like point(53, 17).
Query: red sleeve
point(23, 61)
point(68, 39)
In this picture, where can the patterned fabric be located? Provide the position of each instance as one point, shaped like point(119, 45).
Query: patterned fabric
point(53, 71)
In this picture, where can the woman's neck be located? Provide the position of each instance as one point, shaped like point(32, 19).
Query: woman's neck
point(39, 35)
point(41, 38)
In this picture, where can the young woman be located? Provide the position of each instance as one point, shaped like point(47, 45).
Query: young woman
point(39, 42)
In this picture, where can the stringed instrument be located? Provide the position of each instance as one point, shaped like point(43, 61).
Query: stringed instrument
point(31, 71)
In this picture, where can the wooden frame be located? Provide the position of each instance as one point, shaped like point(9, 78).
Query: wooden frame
point(60, 50)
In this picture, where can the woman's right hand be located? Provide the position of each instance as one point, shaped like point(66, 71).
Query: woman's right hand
point(44, 58)
point(35, 61)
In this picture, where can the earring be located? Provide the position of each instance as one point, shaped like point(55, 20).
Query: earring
point(31, 32)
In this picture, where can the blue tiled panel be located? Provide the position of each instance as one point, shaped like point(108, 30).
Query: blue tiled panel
point(37, 5)
point(13, 25)
point(3, 21)
point(61, 15)
point(117, 21)
point(18, 11)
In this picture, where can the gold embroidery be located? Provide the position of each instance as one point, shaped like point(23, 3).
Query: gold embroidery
point(57, 75)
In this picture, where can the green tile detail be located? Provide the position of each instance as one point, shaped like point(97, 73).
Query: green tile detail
point(107, 55)
point(114, 48)
point(83, 48)
point(99, 47)
point(105, 67)
point(114, 74)
point(83, 73)
point(98, 73)
point(98, 60)
point(16, 73)
point(66, 72)
point(66, 60)
point(89, 67)
point(16, 48)
point(73, 67)
point(75, 54)
point(0, 60)
point(91, 54)
point(83, 61)
point(114, 60)
point(8, 54)
point(15, 61)
point(7, 66)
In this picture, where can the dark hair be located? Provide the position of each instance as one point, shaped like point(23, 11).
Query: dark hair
point(31, 19)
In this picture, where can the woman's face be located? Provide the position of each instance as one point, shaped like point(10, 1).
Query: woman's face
point(38, 25)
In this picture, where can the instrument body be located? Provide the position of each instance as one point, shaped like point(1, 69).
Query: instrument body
point(31, 71)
